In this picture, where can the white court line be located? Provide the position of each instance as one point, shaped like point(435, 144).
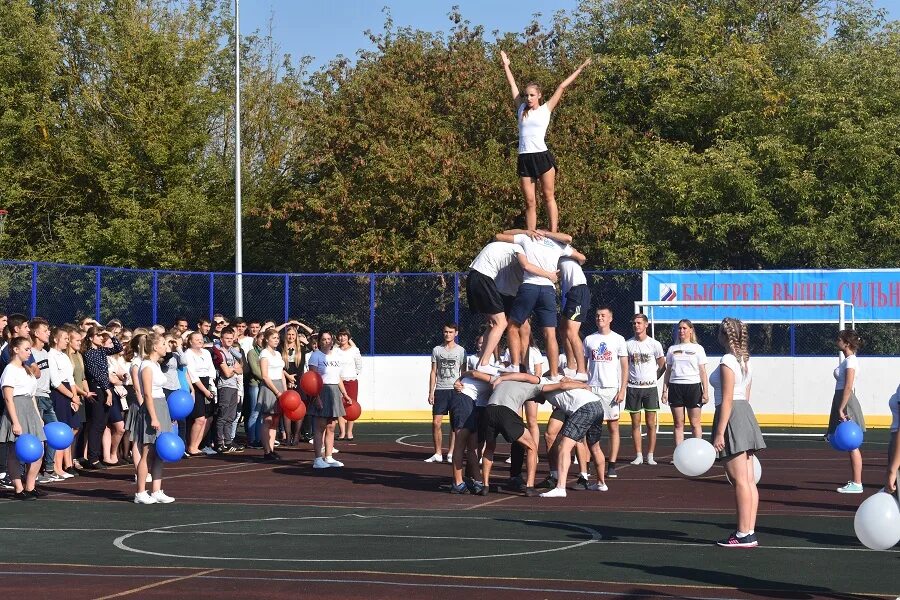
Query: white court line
point(351, 535)
point(400, 441)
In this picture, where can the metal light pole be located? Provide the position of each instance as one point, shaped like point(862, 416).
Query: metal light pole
point(238, 236)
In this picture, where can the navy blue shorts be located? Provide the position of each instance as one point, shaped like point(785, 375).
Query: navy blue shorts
point(442, 401)
point(577, 303)
point(474, 419)
point(461, 408)
point(482, 294)
point(539, 300)
point(115, 411)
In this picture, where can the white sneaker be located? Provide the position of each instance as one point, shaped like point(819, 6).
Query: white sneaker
point(320, 463)
point(598, 487)
point(333, 463)
point(556, 492)
point(162, 498)
point(65, 475)
point(581, 377)
point(207, 451)
point(650, 460)
point(435, 458)
point(333, 450)
point(144, 498)
point(148, 480)
point(639, 460)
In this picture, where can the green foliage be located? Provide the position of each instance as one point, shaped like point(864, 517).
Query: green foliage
point(706, 134)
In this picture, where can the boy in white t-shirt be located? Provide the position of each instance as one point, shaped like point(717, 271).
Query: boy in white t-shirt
point(537, 294)
point(646, 364)
point(607, 363)
point(576, 301)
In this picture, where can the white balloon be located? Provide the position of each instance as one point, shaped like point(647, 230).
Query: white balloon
point(877, 522)
point(694, 457)
point(757, 471)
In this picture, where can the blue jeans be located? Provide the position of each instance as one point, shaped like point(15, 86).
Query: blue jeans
point(252, 424)
point(48, 415)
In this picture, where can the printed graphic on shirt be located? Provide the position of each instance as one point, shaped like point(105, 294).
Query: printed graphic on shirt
point(602, 353)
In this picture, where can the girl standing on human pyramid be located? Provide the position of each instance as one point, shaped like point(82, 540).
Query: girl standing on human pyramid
point(535, 161)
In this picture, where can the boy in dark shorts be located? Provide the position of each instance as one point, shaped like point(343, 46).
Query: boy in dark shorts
point(576, 302)
point(447, 361)
point(646, 364)
point(472, 391)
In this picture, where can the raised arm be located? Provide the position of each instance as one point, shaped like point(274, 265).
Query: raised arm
point(535, 270)
point(557, 95)
point(510, 78)
point(578, 256)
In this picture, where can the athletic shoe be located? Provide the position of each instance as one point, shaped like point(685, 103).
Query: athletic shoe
point(23, 495)
point(255, 446)
point(320, 463)
point(210, 451)
point(509, 460)
point(549, 483)
point(638, 460)
point(37, 493)
point(532, 492)
point(333, 450)
point(581, 377)
point(733, 541)
point(238, 448)
point(650, 460)
point(162, 498)
point(459, 490)
point(45, 479)
point(144, 498)
point(582, 483)
point(555, 493)
point(276, 444)
point(851, 488)
point(434, 458)
point(472, 485)
point(483, 490)
point(598, 487)
point(488, 370)
point(333, 463)
point(516, 483)
point(65, 475)
point(611, 472)
point(510, 369)
point(6, 483)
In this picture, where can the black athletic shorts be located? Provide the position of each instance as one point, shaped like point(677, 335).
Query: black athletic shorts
point(461, 407)
point(638, 399)
point(482, 294)
point(577, 303)
point(498, 420)
point(688, 395)
point(442, 400)
point(535, 164)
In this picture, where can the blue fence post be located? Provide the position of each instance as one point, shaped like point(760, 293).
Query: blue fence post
point(212, 294)
point(287, 297)
point(97, 293)
point(456, 298)
point(793, 330)
point(372, 313)
point(154, 301)
point(34, 280)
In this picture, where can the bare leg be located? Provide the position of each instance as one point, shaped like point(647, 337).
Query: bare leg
point(531, 422)
point(599, 462)
point(577, 347)
point(487, 461)
point(498, 327)
point(636, 433)
point(678, 423)
point(613, 427)
point(515, 343)
point(563, 460)
point(529, 192)
point(552, 350)
point(196, 435)
point(156, 468)
point(342, 427)
point(856, 465)
point(696, 425)
point(116, 432)
point(436, 434)
point(754, 492)
point(463, 449)
point(548, 192)
point(650, 418)
point(328, 437)
point(319, 435)
point(530, 457)
point(583, 454)
point(741, 476)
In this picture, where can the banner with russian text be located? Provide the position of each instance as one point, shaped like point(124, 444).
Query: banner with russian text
point(873, 293)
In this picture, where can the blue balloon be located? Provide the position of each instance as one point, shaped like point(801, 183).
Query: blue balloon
point(836, 443)
point(59, 435)
point(29, 448)
point(180, 404)
point(169, 447)
point(848, 435)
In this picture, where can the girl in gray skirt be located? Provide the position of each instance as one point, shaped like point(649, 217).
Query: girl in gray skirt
point(329, 405)
point(154, 420)
point(845, 406)
point(271, 367)
point(736, 434)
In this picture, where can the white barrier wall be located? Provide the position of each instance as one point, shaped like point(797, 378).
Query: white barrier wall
point(786, 391)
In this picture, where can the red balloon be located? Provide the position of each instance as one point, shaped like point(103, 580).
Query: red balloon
point(311, 383)
point(353, 411)
point(289, 401)
point(297, 414)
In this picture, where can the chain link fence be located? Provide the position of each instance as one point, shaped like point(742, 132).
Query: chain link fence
point(387, 313)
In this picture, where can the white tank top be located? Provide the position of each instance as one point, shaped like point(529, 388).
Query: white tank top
point(533, 128)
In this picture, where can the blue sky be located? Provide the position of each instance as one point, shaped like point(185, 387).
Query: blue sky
point(325, 29)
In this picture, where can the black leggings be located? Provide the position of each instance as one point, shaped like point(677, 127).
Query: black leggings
point(97, 416)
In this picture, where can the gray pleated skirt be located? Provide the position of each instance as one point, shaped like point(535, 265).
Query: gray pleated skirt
point(854, 411)
point(133, 416)
point(267, 402)
point(332, 403)
point(742, 432)
point(29, 420)
point(142, 432)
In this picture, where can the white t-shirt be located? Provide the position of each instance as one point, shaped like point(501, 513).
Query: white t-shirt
point(200, 363)
point(570, 275)
point(246, 344)
point(159, 378)
point(351, 362)
point(571, 400)
point(495, 257)
point(477, 390)
point(534, 357)
point(533, 128)
point(61, 369)
point(603, 354)
point(642, 357)
point(840, 372)
point(19, 379)
point(741, 381)
point(684, 362)
point(329, 365)
point(544, 253)
point(275, 363)
point(40, 359)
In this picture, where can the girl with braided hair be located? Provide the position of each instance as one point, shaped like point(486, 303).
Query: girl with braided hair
point(845, 406)
point(736, 433)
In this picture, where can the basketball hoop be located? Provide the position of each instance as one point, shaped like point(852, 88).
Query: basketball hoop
point(3, 215)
